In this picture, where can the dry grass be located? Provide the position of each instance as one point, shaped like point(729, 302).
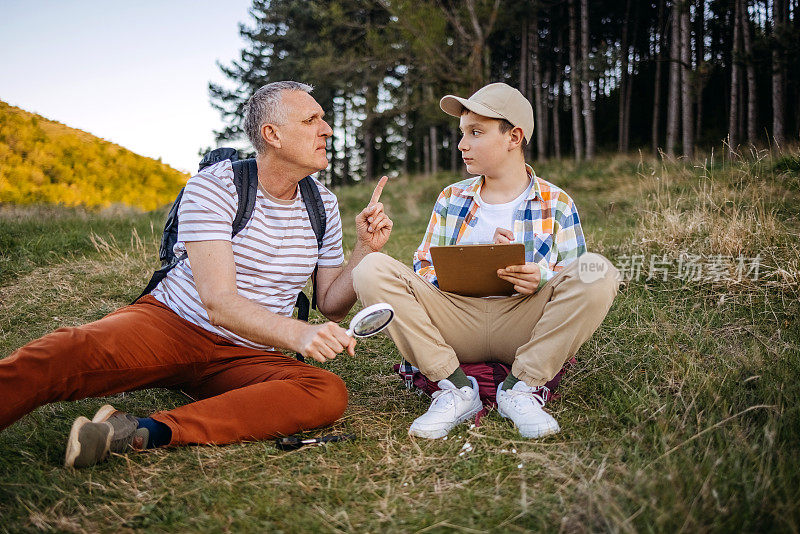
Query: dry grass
point(682, 414)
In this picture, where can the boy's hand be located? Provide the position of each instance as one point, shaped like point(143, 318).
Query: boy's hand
point(373, 226)
point(525, 278)
point(501, 235)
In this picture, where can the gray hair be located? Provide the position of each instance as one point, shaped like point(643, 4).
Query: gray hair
point(266, 107)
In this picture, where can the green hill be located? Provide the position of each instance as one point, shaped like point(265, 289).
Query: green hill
point(43, 161)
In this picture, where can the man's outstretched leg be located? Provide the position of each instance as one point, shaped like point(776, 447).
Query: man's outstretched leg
point(148, 345)
point(247, 395)
point(142, 345)
point(252, 395)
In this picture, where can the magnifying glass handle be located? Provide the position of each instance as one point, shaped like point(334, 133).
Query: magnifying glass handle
point(349, 332)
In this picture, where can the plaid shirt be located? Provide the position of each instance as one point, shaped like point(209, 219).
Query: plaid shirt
point(546, 222)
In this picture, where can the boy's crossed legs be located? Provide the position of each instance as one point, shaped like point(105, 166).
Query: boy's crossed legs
point(436, 331)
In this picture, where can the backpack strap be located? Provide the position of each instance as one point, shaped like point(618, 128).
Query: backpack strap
point(168, 237)
point(170, 234)
point(316, 213)
point(316, 208)
point(245, 178)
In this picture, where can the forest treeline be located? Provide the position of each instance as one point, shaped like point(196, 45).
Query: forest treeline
point(660, 75)
point(43, 161)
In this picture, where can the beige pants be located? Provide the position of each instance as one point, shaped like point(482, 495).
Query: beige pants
point(536, 334)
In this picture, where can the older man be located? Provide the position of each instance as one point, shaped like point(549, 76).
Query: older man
point(213, 325)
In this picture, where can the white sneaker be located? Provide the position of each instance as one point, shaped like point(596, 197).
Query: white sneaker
point(523, 405)
point(450, 407)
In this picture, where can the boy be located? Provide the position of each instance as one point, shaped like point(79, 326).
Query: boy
point(563, 294)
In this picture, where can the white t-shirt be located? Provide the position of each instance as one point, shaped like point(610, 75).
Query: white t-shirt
point(275, 253)
point(492, 216)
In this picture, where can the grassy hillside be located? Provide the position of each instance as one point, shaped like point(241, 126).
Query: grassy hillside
point(43, 161)
point(683, 413)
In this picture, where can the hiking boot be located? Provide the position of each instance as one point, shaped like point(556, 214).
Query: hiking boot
point(450, 407)
point(88, 443)
point(126, 433)
point(524, 404)
point(109, 430)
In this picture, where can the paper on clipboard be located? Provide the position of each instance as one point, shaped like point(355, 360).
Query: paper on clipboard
point(471, 270)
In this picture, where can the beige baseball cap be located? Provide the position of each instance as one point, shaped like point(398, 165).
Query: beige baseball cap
point(497, 101)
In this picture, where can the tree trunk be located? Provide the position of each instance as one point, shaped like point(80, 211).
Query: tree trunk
point(674, 97)
point(780, 9)
point(333, 175)
point(370, 97)
point(742, 105)
point(434, 150)
point(426, 154)
point(454, 152)
point(752, 111)
point(547, 104)
point(574, 82)
point(540, 129)
point(686, 83)
point(657, 84)
point(530, 95)
point(406, 143)
point(480, 56)
point(369, 153)
point(346, 177)
point(699, 40)
point(558, 88)
point(733, 122)
point(588, 111)
point(626, 134)
point(406, 129)
point(622, 142)
point(524, 59)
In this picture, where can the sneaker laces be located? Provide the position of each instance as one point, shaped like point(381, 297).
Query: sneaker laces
point(443, 396)
point(538, 395)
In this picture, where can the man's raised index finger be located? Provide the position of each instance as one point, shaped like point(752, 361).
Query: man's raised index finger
point(376, 195)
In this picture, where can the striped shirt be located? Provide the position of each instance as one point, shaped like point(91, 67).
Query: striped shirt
point(546, 222)
point(274, 254)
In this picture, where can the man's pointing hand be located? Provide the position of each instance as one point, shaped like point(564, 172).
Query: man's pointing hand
point(373, 226)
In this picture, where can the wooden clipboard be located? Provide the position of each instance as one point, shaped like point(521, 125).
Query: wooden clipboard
point(471, 270)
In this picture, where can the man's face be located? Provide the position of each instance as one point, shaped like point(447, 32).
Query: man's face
point(483, 147)
point(303, 137)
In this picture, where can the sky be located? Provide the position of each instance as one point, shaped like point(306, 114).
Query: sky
point(133, 73)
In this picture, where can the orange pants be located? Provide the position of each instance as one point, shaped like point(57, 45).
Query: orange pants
point(244, 394)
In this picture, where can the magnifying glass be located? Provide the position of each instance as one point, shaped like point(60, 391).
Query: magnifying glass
point(371, 320)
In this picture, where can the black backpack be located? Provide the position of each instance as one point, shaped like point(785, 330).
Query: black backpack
point(245, 177)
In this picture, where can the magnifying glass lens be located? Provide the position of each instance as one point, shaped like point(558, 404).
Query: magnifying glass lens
point(373, 323)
